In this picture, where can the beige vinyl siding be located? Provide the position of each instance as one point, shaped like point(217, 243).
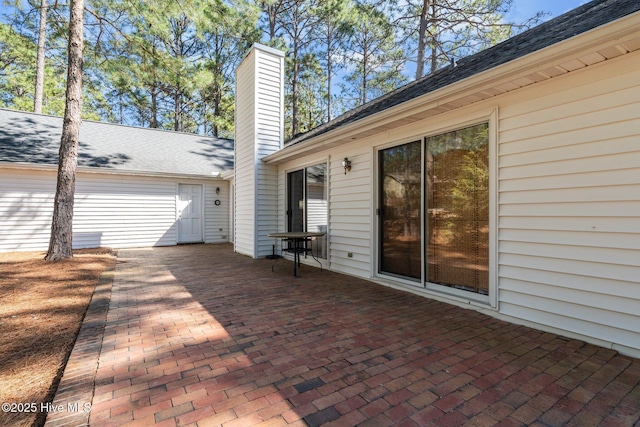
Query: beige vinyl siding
point(350, 214)
point(217, 226)
point(569, 203)
point(111, 210)
point(267, 221)
point(231, 210)
point(565, 248)
point(269, 127)
point(259, 117)
point(245, 158)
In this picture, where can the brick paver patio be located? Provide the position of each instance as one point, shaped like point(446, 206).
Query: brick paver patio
point(199, 335)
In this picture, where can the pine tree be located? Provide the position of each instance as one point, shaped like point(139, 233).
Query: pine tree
point(374, 55)
point(61, 241)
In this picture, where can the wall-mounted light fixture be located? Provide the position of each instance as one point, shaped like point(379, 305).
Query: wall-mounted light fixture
point(217, 190)
point(346, 164)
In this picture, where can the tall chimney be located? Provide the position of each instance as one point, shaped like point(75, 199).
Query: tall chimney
point(259, 131)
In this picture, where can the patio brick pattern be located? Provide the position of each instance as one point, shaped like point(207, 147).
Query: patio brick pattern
point(200, 335)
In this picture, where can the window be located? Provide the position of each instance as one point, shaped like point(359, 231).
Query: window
point(307, 204)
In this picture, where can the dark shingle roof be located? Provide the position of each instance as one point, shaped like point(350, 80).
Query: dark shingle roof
point(35, 139)
point(572, 23)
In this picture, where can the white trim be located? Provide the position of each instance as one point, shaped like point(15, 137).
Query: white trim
point(255, 142)
point(265, 48)
point(374, 225)
point(106, 171)
point(329, 212)
point(298, 166)
point(494, 193)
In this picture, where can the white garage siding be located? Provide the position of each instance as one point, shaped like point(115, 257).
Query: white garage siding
point(26, 207)
point(217, 218)
point(121, 212)
point(117, 211)
point(569, 203)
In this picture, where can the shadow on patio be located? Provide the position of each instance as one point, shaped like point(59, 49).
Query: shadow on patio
point(199, 335)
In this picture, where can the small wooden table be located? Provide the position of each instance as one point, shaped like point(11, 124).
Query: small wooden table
point(297, 237)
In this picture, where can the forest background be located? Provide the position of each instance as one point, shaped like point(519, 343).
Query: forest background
point(170, 64)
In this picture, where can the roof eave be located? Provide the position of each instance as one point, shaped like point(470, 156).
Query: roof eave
point(561, 52)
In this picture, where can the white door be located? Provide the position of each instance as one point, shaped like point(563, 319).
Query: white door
point(189, 213)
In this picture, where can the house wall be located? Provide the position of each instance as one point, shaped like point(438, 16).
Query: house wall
point(568, 202)
point(110, 210)
point(351, 244)
point(350, 238)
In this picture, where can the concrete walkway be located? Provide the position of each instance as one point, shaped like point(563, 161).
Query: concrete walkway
point(199, 335)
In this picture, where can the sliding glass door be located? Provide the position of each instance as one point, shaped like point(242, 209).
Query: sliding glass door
point(307, 204)
point(434, 210)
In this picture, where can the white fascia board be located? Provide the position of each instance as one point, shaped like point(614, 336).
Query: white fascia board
point(227, 175)
point(14, 165)
point(85, 169)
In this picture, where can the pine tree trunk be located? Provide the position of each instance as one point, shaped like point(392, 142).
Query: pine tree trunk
point(329, 71)
point(422, 39)
point(365, 71)
point(176, 112)
point(60, 244)
point(217, 110)
point(154, 107)
point(294, 93)
point(434, 41)
point(42, 36)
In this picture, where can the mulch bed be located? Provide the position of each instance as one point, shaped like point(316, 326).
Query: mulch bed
point(42, 305)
